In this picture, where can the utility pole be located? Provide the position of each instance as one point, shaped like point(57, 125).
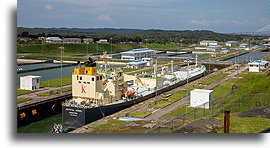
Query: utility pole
point(61, 48)
point(87, 47)
point(111, 45)
point(187, 88)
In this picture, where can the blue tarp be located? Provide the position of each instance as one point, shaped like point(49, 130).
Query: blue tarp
point(129, 119)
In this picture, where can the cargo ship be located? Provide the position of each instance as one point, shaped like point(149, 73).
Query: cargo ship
point(96, 94)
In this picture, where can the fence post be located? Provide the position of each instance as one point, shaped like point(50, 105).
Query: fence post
point(226, 121)
point(195, 114)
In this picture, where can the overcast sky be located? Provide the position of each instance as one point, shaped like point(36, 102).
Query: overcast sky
point(216, 15)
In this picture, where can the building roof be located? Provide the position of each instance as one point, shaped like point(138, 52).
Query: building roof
point(140, 50)
point(231, 41)
point(215, 46)
point(244, 44)
point(202, 91)
point(137, 62)
point(209, 41)
point(71, 39)
point(261, 62)
point(31, 76)
point(54, 38)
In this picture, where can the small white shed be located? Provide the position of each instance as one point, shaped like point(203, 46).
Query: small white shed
point(201, 98)
point(30, 82)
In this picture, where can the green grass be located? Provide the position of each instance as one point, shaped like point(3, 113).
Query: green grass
point(22, 92)
point(19, 100)
point(161, 46)
point(160, 104)
point(247, 125)
point(53, 49)
point(55, 91)
point(129, 69)
point(56, 82)
point(110, 124)
point(139, 114)
point(224, 88)
point(179, 111)
point(214, 78)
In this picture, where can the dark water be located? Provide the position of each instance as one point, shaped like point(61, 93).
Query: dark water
point(36, 66)
point(249, 57)
point(48, 74)
point(42, 126)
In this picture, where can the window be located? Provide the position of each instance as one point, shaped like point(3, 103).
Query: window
point(100, 77)
point(77, 77)
point(88, 82)
point(93, 79)
point(84, 82)
point(97, 78)
point(80, 82)
point(80, 78)
point(37, 80)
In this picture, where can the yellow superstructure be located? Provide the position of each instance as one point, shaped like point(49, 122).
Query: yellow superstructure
point(85, 71)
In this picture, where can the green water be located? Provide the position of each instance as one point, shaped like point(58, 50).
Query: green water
point(42, 126)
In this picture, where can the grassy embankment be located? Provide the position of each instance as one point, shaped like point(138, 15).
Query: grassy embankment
point(139, 114)
point(249, 84)
point(71, 49)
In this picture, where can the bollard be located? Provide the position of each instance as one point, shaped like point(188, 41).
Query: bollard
point(226, 121)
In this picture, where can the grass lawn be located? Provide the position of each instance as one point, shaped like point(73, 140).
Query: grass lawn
point(139, 114)
point(179, 111)
point(111, 124)
point(214, 78)
point(55, 91)
point(56, 82)
point(129, 69)
point(224, 88)
point(19, 100)
point(22, 92)
point(160, 104)
point(246, 125)
point(53, 49)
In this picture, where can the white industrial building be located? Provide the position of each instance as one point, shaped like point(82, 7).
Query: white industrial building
point(102, 41)
point(149, 61)
point(72, 40)
point(231, 43)
point(214, 48)
point(255, 66)
point(136, 64)
point(88, 40)
point(208, 43)
point(138, 54)
point(54, 40)
point(29, 82)
point(201, 98)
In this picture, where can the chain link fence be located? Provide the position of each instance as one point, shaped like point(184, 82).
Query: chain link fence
point(235, 103)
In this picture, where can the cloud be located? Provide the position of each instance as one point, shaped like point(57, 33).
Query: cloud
point(205, 22)
point(105, 18)
point(48, 7)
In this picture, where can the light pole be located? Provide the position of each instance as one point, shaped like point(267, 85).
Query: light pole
point(111, 45)
point(187, 87)
point(61, 48)
point(42, 44)
point(87, 47)
point(97, 48)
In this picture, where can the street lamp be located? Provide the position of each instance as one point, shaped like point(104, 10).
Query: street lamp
point(61, 48)
point(111, 45)
point(87, 43)
point(187, 86)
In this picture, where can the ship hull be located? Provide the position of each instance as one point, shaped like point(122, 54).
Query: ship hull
point(75, 117)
